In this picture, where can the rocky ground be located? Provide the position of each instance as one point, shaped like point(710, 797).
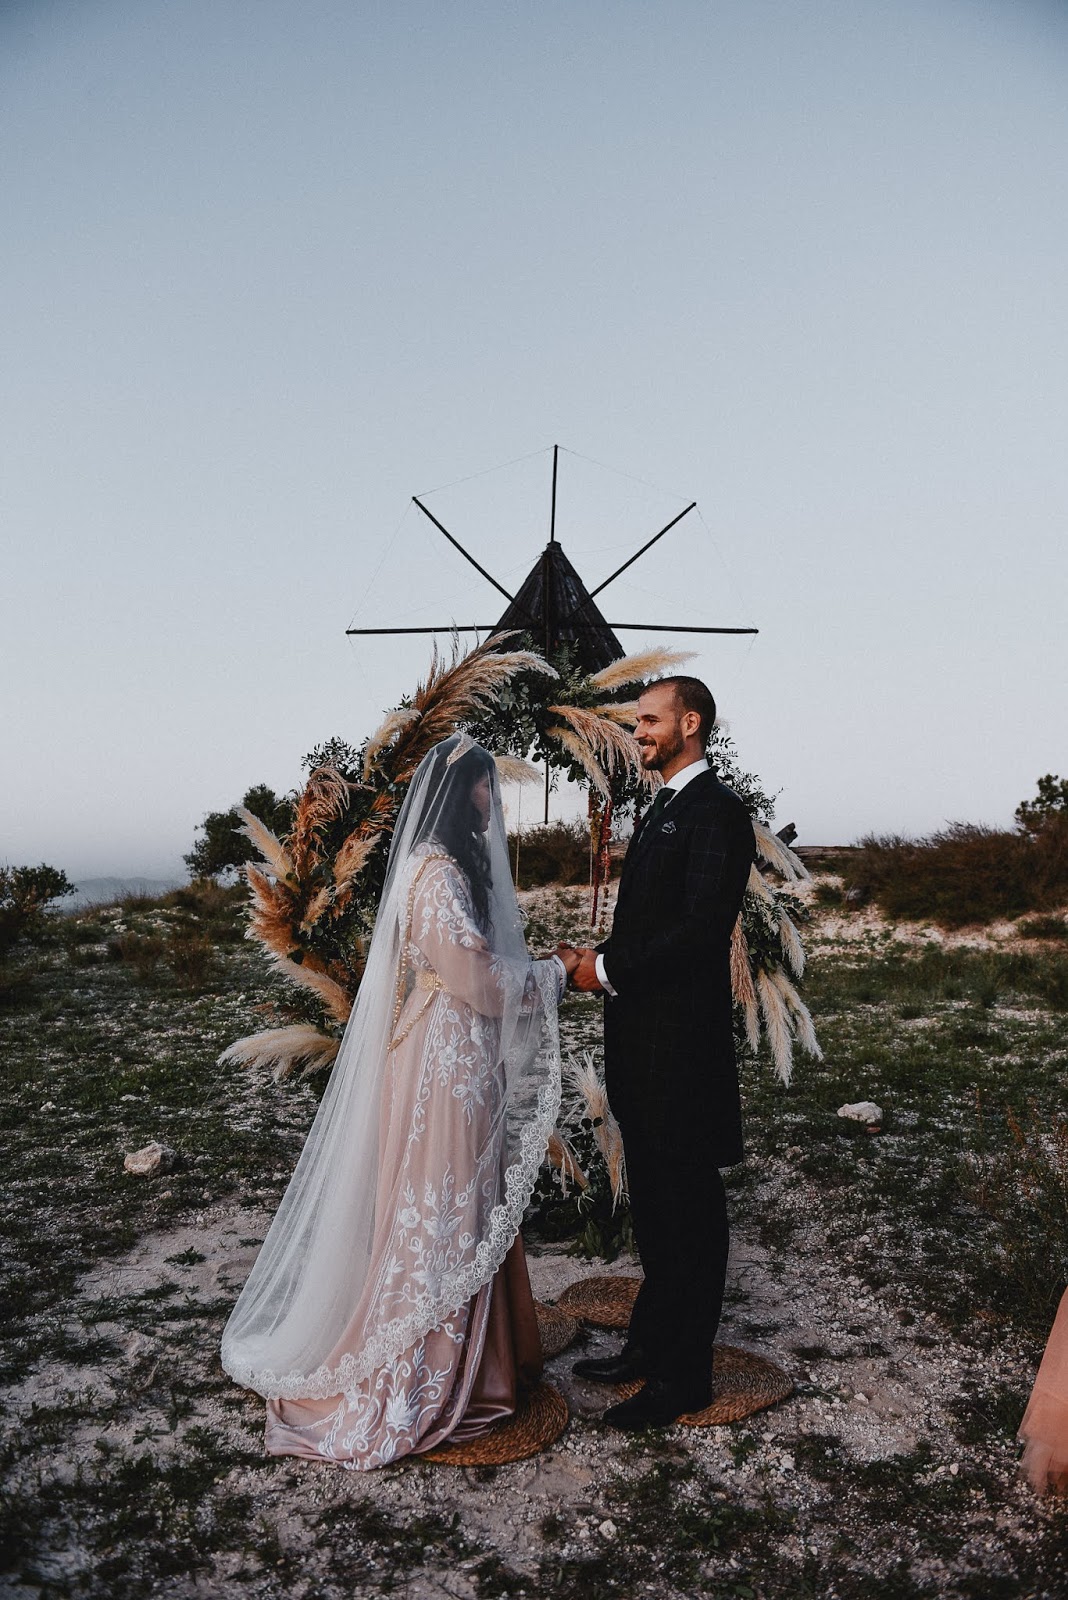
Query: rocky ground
point(905, 1298)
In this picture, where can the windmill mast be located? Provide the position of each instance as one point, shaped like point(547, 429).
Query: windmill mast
point(550, 596)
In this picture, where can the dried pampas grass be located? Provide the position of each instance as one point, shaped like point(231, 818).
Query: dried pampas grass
point(273, 917)
point(776, 1024)
point(792, 948)
point(585, 758)
point(610, 744)
point(275, 855)
point(590, 1099)
point(388, 729)
point(336, 1000)
point(456, 690)
point(282, 1050)
point(637, 668)
point(800, 1016)
point(770, 848)
point(561, 1156)
point(510, 769)
point(625, 713)
point(741, 973)
point(759, 886)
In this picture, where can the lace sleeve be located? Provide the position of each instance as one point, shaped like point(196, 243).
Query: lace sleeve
point(445, 932)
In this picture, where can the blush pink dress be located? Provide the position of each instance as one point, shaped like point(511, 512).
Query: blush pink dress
point(441, 1092)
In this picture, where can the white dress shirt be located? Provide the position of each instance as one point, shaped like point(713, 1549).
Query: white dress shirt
point(679, 781)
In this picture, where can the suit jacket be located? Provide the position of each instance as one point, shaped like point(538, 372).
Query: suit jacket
point(669, 1036)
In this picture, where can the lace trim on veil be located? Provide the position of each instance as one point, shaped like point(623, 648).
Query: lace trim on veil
point(459, 1286)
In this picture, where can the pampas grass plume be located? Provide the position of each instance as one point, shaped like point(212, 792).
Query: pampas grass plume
point(283, 1050)
point(771, 849)
point(776, 1024)
point(274, 853)
point(638, 667)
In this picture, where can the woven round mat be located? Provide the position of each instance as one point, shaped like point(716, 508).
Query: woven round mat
point(555, 1329)
point(743, 1382)
point(538, 1423)
point(606, 1302)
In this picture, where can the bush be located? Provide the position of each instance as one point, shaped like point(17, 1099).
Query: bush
point(25, 896)
point(557, 853)
point(217, 910)
point(190, 956)
point(966, 873)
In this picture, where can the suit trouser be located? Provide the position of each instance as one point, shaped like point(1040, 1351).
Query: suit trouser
point(679, 1209)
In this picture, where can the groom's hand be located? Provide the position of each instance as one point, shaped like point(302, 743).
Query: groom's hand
point(585, 974)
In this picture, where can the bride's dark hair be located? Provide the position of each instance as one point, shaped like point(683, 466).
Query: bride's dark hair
point(459, 827)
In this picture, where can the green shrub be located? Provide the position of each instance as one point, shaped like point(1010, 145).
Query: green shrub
point(558, 853)
point(26, 893)
point(966, 873)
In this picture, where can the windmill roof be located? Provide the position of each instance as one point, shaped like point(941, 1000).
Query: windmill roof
point(554, 606)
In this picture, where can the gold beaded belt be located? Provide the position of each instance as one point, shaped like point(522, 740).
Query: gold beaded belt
point(427, 978)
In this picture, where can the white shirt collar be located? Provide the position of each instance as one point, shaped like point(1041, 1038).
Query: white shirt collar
point(681, 779)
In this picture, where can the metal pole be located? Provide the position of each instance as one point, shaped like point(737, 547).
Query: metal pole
point(442, 529)
point(451, 627)
point(552, 519)
point(641, 552)
point(547, 598)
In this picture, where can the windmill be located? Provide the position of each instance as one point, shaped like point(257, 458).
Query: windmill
point(554, 606)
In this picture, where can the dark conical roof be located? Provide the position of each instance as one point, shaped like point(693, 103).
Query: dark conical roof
point(554, 607)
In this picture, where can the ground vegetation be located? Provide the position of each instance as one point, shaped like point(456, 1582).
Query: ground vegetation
point(905, 1278)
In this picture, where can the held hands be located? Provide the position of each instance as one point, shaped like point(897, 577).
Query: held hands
point(569, 956)
point(581, 967)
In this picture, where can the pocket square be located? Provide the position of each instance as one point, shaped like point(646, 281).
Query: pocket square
point(669, 827)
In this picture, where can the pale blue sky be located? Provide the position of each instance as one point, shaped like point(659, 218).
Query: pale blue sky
point(268, 269)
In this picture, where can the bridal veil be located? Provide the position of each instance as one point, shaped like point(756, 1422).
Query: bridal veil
point(362, 1260)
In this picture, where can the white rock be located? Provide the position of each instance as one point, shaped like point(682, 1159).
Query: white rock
point(151, 1158)
point(607, 1529)
point(863, 1111)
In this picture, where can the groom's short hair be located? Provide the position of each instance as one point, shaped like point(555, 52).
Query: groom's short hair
point(693, 695)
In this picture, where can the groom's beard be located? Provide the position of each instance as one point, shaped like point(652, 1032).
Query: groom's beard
point(655, 757)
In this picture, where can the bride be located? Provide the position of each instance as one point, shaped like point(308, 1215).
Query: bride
point(389, 1308)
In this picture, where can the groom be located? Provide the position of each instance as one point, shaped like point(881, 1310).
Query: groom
point(669, 1052)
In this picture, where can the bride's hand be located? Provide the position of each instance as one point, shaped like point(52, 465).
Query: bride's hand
point(569, 956)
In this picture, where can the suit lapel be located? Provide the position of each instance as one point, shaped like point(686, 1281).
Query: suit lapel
point(671, 813)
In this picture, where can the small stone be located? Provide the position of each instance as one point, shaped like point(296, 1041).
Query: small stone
point(150, 1159)
point(954, 1469)
point(607, 1529)
point(49, 1105)
point(863, 1111)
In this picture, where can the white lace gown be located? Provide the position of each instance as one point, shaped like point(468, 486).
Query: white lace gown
point(439, 1167)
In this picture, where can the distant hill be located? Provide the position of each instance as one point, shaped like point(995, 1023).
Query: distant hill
point(97, 891)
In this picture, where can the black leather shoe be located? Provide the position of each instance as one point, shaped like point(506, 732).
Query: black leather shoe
point(657, 1406)
point(624, 1368)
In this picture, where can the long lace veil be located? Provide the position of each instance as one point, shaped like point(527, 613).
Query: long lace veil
point(338, 1289)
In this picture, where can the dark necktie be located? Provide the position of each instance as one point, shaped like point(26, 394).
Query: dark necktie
point(656, 810)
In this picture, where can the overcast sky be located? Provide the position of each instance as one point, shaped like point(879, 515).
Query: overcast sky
point(268, 269)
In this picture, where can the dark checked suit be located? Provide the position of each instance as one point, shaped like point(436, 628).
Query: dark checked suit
point(670, 1064)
